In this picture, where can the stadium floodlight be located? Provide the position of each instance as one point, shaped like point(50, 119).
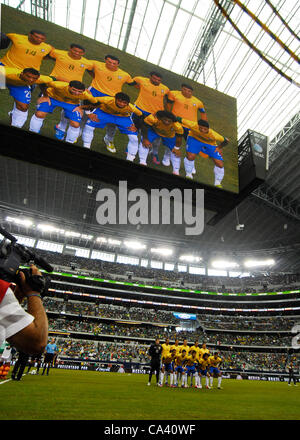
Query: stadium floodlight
point(101, 240)
point(48, 228)
point(190, 258)
point(136, 245)
point(86, 236)
point(114, 242)
point(258, 263)
point(162, 251)
point(18, 221)
point(223, 264)
point(72, 234)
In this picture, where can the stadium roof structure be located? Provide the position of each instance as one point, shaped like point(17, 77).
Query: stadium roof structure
point(194, 39)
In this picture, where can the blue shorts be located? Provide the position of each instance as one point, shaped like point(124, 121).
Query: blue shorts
point(168, 367)
point(191, 369)
point(203, 372)
point(214, 370)
point(20, 93)
point(195, 146)
point(68, 109)
point(122, 122)
point(179, 369)
point(96, 92)
point(168, 142)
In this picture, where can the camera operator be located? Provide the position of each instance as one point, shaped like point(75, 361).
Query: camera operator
point(27, 331)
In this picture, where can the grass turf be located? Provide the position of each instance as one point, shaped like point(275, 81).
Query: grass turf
point(90, 395)
point(221, 109)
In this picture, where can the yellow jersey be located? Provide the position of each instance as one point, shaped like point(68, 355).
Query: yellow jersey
point(186, 108)
point(13, 77)
point(165, 349)
point(203, 364)
point(196, 349)
point(151, 97)
point(175, 347)
point(108, 105)
point(184, 347)
point(108, 81)
point(190, 361)
point(59, 90)
point(66, 68)
point(22, 53)
point(210, 138)
point(202, 351)
point(180, 360)
point(168, 358)
point(168, 131)
point(214, 362)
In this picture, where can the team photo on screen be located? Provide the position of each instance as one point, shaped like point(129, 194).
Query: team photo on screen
point(66, 86)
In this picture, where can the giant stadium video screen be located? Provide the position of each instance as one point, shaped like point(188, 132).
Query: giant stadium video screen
point(97, 97)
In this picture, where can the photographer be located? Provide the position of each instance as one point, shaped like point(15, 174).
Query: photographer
point(27, 331)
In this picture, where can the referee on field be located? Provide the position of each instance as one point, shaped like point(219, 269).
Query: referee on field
point(155, 351)
point(291, 374)
point(51, 350)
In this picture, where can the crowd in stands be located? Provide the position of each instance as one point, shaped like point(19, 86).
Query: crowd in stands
point(165, 278)
point(150, 332)
point(247, 323)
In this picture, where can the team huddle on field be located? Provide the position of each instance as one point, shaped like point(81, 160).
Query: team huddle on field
point(185, 365)
point(159, 116)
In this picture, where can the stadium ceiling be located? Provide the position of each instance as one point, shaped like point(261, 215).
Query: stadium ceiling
point(194, 39)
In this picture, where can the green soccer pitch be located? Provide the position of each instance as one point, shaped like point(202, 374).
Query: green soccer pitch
point(91, 395)
point(221, 109)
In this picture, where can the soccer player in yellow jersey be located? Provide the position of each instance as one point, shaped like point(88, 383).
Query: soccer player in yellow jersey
point(19, 84)
point(108, 80)
point(151, 98)
point(182, 103)
point(167, 367)
point(203, 350)
point(202, 139)
point(214, 369)
point(66, 96)
point(203, 367)
point(196, 348)
point(190, 366)
point(179, 368)
point(161, 125)
point(113, 110)
point(185, 347)
point(70, 65)
point(176, 346)
point(165, 347)
point(26, 50)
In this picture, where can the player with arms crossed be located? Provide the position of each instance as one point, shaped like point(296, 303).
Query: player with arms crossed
point(215, 362)
point(204, 140)
point(151, 98)
point(113, 110)
point(108, 80)
point(26, 50)
point(20, 84)
point(161, 125)
point(70, 65)
point(63, 95)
